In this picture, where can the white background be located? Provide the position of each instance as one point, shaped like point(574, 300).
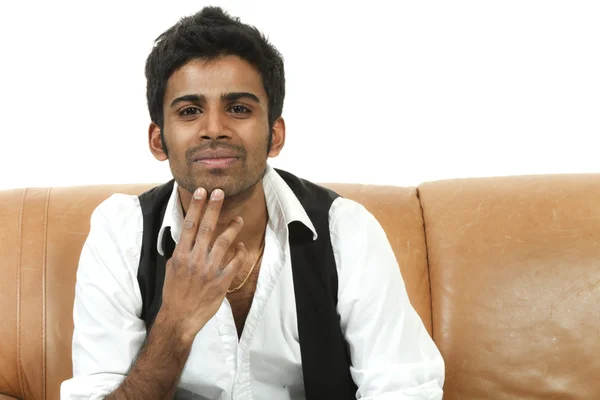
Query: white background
point(381, 92)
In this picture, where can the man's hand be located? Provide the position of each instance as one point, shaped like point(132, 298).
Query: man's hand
point(195, 284)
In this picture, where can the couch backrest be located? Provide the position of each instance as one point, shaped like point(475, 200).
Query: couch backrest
point(515, 285)
point(42, 231)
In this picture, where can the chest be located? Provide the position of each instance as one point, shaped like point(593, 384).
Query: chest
point(265, 363)
point(241, 301)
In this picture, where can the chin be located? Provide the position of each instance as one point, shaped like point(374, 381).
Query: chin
point(232, 184)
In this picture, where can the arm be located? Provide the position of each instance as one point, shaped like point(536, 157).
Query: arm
point(392, 355)
point(108, 333)
point(157, 370)
point(194, 288)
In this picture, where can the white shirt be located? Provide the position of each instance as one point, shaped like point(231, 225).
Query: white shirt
point(392, 355)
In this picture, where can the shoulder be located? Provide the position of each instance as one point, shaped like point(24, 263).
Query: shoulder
point(346, 214)
point(359, 241)
point(116, 227)
point(110, 255)
point(118, 213)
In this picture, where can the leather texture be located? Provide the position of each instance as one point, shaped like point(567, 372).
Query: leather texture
point(513, 304)
point(515, 283)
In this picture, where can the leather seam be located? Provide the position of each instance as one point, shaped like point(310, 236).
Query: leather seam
point(427, 260)
point(19, 264)
point(44, 270)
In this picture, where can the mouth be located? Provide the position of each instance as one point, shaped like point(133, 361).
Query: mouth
point(217, 162)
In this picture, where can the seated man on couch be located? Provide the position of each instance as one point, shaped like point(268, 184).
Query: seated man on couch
point(234, 279)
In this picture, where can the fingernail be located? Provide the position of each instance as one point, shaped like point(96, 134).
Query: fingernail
point(217, 194)
point(199, 194)
point(239, 220)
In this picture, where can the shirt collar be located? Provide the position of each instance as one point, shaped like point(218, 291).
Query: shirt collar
point(282, 205)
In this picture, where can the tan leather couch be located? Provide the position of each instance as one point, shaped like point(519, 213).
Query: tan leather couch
point(505, 273)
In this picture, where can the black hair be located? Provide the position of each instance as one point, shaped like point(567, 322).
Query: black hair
point(209, 34)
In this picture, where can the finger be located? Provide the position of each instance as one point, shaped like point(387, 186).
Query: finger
point(208, 223)
point(192, 220)
point(236, 263)
point(224, 241)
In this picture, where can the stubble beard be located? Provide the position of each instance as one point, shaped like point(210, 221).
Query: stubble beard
point(234, 185)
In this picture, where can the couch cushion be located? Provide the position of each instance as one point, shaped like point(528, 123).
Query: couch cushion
point(42, 231)
point(10, 243)
point(515, 280)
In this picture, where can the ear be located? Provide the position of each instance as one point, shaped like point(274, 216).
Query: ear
point(155, 144)
point(278, 137)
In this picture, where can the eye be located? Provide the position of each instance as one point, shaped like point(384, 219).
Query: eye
point(189, 111)
point(239, 109)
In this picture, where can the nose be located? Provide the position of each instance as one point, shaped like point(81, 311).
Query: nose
point(215, 127)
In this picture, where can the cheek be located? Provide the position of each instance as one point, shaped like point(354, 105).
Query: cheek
point(175, 142)
point(259, 150)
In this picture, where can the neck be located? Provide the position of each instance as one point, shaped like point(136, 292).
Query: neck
point(250, 205)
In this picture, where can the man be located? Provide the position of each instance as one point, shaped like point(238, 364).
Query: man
point(235, 280)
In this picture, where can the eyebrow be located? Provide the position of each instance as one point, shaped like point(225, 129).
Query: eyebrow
point(199, 98)
point(240, 95)
point(193, 98)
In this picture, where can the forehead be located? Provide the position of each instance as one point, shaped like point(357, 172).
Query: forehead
point(214, 77)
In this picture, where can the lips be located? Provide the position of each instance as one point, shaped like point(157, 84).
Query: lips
point(209, 155)
point(216, 158)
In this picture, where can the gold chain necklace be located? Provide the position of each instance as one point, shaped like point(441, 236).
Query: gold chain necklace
point(260, 253)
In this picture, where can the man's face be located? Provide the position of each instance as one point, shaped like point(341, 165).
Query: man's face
point(216, 125)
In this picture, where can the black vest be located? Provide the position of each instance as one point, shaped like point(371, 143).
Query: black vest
point(324, 351)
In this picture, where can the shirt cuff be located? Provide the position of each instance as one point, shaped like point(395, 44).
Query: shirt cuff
point(90, 387)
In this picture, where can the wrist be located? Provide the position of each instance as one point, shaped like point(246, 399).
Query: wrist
point(174, 327)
